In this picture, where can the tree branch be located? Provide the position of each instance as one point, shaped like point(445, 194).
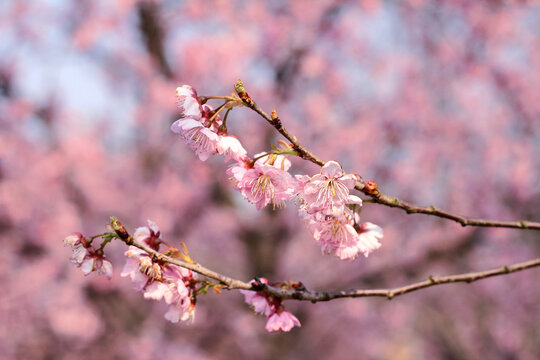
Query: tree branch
point(375, 194)
point(153, 35)
point(301, 293)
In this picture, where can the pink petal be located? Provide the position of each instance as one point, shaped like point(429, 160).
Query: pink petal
point(332, 169)
point(156, 290)
point(106, 268)
point(173, 315)
point(87, 265)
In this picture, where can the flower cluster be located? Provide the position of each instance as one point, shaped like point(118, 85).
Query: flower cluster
point(203, 129)
point(86, 257)
point(265, 181)
point(328, 207)
point(158, 280)
point(325, 203)
point(278, 319)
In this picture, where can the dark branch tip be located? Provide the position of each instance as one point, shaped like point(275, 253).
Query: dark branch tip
point(258, 285)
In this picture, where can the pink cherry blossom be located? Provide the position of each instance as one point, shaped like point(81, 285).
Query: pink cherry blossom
point(278, 161)
point(328, 190)
point(200, 139)
point(104, 267)
point(97, 262)
point(236, 173)
point(179, 296)
point(181, 312)
point(258, 301)
point(87, 258)
point(159, 281)
point(369, 235)
point(364, 241)
point(277, 318)
point(282, 321)
point(207, 113)
point(338, 232)
point(188, 102)
point(266, 184)
point(332, 232)
point(230, 147)
point(137, 268)
point(150, 235)
point(73, 239)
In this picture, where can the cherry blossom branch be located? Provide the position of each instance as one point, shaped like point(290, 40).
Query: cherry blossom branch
point(432, 210)
point(316, 296)
point(298, 292)
point(229, 283)
point(370, 187)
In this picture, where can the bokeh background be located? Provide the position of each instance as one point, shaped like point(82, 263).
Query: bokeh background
point(437, 101)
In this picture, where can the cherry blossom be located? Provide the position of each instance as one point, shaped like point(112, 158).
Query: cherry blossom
point(199, 138)
point(150, 235)
point(180, 298)
point(86, 257)
point(328, 190)
point(369, 235)
point(333, 232)
point(281, 321)
point(339, 234)
point(277, 318)
point(278, 161)
point(159, 280)
point(188, 102)
point(140, 268)
point(437, 101)
point(265, 184)
point(230, 147)
point(237, 172)
point(257, 300)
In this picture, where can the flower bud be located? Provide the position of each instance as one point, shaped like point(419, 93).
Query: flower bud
point(371, 187)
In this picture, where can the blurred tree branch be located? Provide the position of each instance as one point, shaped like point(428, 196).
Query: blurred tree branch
point(152, 32)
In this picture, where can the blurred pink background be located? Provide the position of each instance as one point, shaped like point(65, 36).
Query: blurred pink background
point(436, 101)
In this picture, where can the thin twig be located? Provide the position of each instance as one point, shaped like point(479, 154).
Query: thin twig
point(431, 281)
point(383, 199)
point(228, 282)
point(304, 294)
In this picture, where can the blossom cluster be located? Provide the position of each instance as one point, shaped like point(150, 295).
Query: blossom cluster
point(325, 202)
point(203, 129)
point(278, 319)
point(158, 280)
point(86, 257)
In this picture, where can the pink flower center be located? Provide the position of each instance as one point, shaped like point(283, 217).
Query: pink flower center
point(262, 187)
point(330, 189)
point(338, 230)
point(199, 138)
